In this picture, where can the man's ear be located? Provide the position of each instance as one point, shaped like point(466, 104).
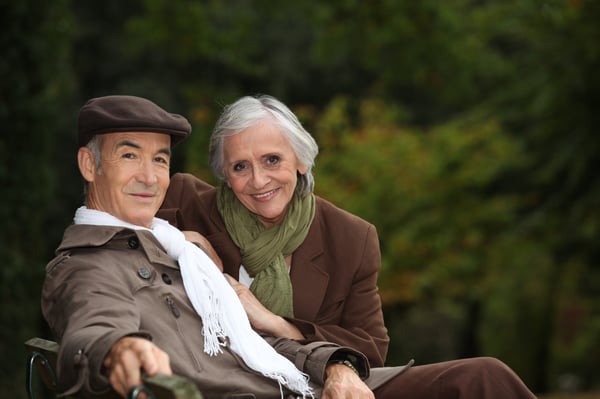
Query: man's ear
point(87, 164)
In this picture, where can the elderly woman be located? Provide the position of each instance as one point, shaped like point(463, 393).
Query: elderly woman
point(307, 269)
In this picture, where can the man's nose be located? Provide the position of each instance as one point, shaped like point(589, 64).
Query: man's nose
point(147, 173)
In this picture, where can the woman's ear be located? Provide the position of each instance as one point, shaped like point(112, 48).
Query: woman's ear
point(302, 170)
point(87, 164)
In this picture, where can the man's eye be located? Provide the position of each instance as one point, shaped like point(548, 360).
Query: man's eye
point(162, 160)
point(129, 155)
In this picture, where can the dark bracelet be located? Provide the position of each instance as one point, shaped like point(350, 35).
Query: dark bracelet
point(346, 363)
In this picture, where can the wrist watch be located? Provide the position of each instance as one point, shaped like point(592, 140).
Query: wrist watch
point(346, 363)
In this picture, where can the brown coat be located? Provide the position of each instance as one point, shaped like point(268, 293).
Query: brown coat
point(334, 271)
point(109, 282)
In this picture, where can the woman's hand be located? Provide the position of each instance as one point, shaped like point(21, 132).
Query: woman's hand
point(261, 318)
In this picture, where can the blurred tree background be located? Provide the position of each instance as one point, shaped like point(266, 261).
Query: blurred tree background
point(464, 130)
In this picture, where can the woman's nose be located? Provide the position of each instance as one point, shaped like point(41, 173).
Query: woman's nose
point(259, 177)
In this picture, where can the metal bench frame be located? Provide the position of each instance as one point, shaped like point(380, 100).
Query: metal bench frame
point(42, 355)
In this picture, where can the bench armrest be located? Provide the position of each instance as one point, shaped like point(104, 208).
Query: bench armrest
point(42, 355)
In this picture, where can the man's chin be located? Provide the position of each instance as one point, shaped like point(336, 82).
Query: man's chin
point(143, 218)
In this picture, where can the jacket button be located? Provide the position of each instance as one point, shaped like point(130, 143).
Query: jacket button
point(144, 273)
point(133, 243)
point(166, 278)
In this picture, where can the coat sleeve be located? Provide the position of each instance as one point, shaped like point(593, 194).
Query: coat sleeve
point(86, 321)
point(312, 358)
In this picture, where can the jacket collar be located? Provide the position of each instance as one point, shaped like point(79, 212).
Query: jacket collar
point(86, 236)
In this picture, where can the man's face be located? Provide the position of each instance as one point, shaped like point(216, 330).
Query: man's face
point(133, 176)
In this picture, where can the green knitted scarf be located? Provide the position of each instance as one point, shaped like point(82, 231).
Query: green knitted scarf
point(264, 249)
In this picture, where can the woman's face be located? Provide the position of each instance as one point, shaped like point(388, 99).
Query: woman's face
point(261, 169)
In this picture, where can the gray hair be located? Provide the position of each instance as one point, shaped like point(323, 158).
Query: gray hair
point(249, 111)
point(95, 147)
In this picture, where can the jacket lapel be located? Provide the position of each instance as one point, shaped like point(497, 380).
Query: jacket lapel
point(309, 278)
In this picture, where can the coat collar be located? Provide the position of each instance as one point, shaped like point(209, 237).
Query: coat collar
point(80, 236)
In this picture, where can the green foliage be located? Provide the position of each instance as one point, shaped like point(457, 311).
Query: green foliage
point(33, 82)
point(428, 193)
point(526, 216)
point(424, 54)
point(453, 230)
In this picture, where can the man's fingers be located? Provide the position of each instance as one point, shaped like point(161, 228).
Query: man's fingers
point(163, 365)
point(125, 372)
point(128, 357)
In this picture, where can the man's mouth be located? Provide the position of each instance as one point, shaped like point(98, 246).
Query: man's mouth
point(143, 195)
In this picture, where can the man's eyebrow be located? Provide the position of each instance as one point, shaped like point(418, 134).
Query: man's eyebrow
point(128, 143)
point(166, 151)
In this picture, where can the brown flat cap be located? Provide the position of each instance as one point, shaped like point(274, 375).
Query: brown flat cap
point(113, 114)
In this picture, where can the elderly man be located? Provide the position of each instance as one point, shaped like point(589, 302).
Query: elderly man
point(127, 293)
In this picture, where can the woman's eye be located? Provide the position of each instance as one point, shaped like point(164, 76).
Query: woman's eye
point(273, 159)
point(238, 167)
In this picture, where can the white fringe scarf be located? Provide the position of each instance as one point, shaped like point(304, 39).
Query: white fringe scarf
point(215, 301)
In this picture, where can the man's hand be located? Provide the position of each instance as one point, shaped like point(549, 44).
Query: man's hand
point(204, 244)
point(261, 318)
point(342, 382)
point(128, 357)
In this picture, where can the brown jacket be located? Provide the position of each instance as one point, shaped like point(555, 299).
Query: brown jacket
point(110, 282)
point(334, 271)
